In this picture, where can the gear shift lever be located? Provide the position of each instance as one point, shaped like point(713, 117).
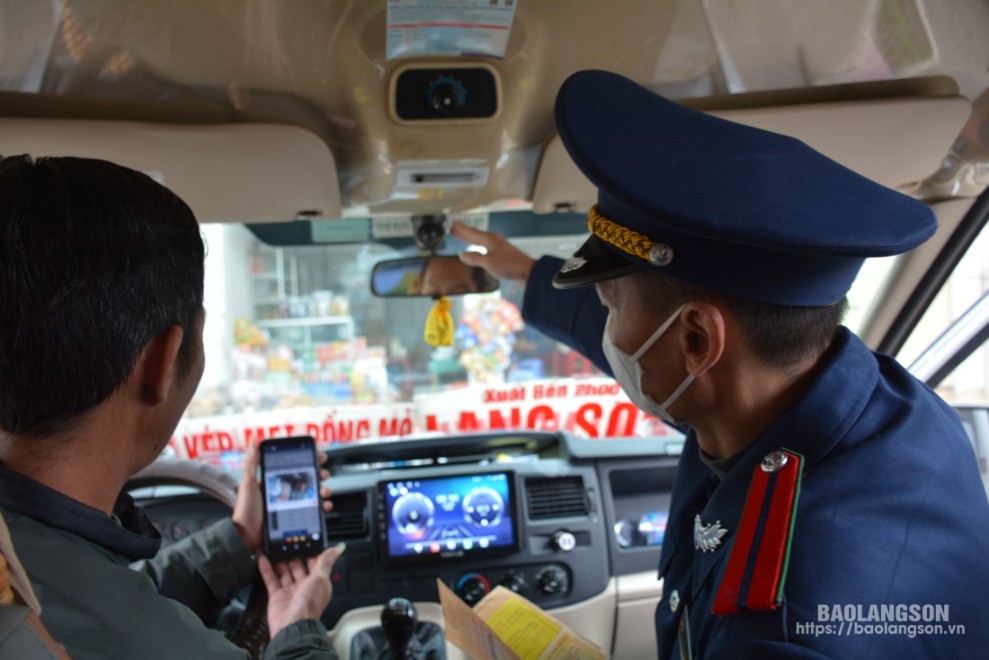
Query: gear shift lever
point(398, 620)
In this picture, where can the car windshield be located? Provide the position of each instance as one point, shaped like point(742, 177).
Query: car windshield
point(298, 344)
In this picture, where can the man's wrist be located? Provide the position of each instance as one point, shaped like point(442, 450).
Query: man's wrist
point(308, 633)
point(251, 541)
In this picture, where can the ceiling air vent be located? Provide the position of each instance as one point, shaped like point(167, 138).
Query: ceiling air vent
point(348, 519)
point(556, 497)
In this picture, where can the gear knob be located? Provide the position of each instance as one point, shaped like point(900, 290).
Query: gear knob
point(398, 620)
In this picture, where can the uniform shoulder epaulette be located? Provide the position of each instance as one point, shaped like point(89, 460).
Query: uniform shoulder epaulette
point(756, 569)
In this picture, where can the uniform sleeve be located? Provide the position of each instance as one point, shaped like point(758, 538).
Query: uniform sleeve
point(204, 570)
point(574, 317)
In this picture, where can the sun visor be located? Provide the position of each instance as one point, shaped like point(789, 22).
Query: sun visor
point(893, 141)
point(225, 172)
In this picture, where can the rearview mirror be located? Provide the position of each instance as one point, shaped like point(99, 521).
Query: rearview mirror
point(429, 276)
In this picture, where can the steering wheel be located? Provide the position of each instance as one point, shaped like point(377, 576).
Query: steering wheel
point(250, 627)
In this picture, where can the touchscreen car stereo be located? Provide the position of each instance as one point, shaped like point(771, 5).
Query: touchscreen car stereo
point(456, 516)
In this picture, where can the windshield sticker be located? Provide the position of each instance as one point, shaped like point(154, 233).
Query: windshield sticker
point(459, 27)
point(343, 230)
point(391, 227)
point(401, 227)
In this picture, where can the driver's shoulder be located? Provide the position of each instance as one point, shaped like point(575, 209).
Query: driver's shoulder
point(95, 605)
point(55, 552)
point(71, 573)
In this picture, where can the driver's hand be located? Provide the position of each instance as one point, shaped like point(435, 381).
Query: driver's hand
point(248, 515)
point(298, 589)
point(503, 260)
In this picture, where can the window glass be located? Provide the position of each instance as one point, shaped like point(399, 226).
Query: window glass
point(866, 289)
point(296, 343)
point(965, 387)
point(967, 283)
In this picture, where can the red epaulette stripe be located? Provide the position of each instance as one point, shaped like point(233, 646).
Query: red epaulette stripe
point(731, 584)
point(756, 569)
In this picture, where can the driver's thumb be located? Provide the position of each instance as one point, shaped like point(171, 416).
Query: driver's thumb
point(326, 559)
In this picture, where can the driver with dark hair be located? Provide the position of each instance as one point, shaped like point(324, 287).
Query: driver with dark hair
point(444, 276)
point(101, 292)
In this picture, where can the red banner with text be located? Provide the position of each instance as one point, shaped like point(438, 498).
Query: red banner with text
point(588, 407)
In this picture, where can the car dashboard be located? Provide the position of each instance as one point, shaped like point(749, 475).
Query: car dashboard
point(573, 525)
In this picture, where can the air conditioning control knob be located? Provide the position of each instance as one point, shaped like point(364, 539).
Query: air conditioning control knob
point(472, 587)
point(553, 580)
point(515, 582)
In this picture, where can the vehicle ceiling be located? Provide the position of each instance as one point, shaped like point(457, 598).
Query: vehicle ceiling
point(259, 110)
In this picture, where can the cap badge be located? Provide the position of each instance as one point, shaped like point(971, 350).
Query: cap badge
point(660, 254)
point(707, 538)
point(572, 264)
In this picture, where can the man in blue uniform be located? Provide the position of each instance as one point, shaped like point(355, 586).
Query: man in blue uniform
point(827, 504)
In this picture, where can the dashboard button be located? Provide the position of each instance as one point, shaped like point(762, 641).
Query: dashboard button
point(564, 541)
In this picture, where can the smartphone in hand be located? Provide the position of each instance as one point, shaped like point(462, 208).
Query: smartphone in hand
point(294, 525)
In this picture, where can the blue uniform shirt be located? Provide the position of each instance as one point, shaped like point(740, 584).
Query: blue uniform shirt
point(892, 514)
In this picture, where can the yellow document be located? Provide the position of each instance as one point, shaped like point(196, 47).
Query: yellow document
point(506, 625)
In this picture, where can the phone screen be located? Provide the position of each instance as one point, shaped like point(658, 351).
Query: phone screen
point(294, 523)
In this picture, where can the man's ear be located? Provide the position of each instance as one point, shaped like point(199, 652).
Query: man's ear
point(158, 367)
point(703, 338)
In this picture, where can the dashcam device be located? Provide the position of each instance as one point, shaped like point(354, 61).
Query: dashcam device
point(448, 93)
point(424, 520)
point(428, 232)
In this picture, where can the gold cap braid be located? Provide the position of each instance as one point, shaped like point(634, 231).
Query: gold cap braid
point(628, 240)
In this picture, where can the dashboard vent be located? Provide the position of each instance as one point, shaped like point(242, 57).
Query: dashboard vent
point(348, 519)
point(556, 497)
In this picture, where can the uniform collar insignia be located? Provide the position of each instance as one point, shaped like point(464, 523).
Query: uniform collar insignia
point(707, 538)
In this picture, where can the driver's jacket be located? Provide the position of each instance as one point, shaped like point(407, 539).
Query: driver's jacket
point(107, 592)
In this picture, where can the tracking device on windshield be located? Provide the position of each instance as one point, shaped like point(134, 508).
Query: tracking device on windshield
point(294, 525)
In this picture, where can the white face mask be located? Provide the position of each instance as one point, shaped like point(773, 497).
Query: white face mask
point(628, 372)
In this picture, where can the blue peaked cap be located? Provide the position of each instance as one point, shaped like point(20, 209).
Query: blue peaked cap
point(735, 210)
